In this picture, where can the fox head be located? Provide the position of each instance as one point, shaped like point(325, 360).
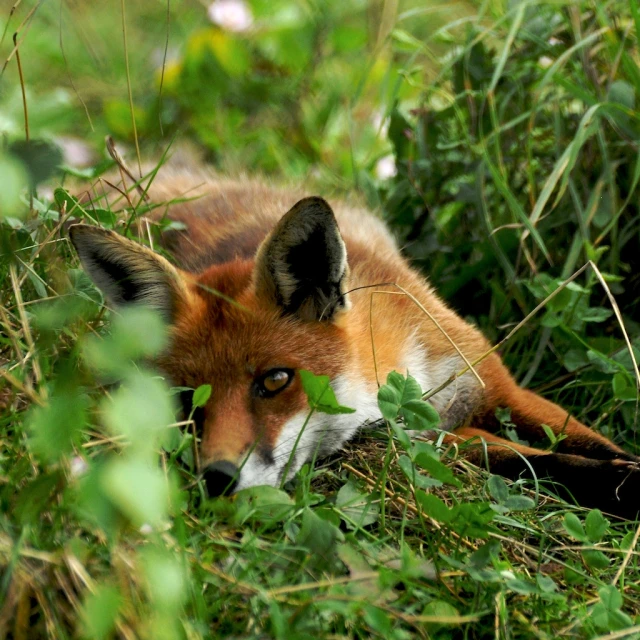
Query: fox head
point(246, 327)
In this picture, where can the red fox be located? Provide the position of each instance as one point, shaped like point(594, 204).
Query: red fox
point(267, 282)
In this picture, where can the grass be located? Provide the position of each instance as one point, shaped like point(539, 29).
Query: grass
point(514, 137)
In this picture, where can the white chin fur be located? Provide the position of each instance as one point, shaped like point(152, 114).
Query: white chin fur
point(323, 434)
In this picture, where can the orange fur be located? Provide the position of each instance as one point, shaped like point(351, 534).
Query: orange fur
point(232, 344)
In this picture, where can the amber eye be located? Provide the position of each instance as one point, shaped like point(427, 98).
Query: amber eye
point(273, 382)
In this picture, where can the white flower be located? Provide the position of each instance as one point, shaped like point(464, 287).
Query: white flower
point(232, 15)
point(78, 467)
point(553, 41)
point(75, 152)
point(380, 123)
point(146, 529)
point(545, 62)
point(386, 168)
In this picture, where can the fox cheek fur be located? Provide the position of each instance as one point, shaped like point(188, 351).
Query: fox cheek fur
point(256, 296)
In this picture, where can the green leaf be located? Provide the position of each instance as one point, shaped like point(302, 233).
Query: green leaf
point(201, 395)
point(165, 577)
point(403, 396)
point(93, 505)
point(103, 217)
point(389, 402)
point(378, 620)
point(316, 534)
point(320, 395)
point(33, 500)
point(471, 519)
point(416, 478)
point(401, 435)
point(624, 387)
point(138, 489)
point(553, 438)
point(83, 287)
point(595, 525)
point(174, 439)
point(90, 173)
point(606, 614)
point(549, 433)
point(574, 527)
point(140, 409)
point(419, 415)
point(407, 388)
point(411, 390)
point(440, 609)
point(595, 559)
point(13, 181)
point(595, 314)
point(522, 587)
point(137, 332)
point(262, 504)
point(356, 506)
point(56, 427)
point(68, 203)
point(265, 496)
point(434, 507)
point(485, 554)
point(468, 518)
point(575, 358)
point(546, 583)
point(436, 469)
point(498, 489)
point(519, 503)
point(99, 612)
point(72, 206)
point(622, 93)
point(601, 362)
point(610, 597)
point(627, 540)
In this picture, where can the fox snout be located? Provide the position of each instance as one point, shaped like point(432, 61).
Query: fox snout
point(220, 478)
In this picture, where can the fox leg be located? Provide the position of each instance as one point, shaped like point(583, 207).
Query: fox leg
point(530, 411)
point(612, 485)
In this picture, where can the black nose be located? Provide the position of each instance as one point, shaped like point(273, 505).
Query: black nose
point(221, 478)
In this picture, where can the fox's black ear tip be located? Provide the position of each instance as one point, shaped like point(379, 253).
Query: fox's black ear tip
point(315, 200)
point(76, 232)
point(312, 206)
point(74, 229)
point(79, 231)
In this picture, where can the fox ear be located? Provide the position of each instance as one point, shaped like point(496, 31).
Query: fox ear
point(127, 272)
point(302, 265)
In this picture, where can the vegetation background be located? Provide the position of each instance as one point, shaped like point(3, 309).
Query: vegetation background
point(499, 139)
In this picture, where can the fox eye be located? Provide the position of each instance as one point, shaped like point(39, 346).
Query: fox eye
point(273, 382)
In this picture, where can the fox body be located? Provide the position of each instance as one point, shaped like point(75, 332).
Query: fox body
point(264, 282)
